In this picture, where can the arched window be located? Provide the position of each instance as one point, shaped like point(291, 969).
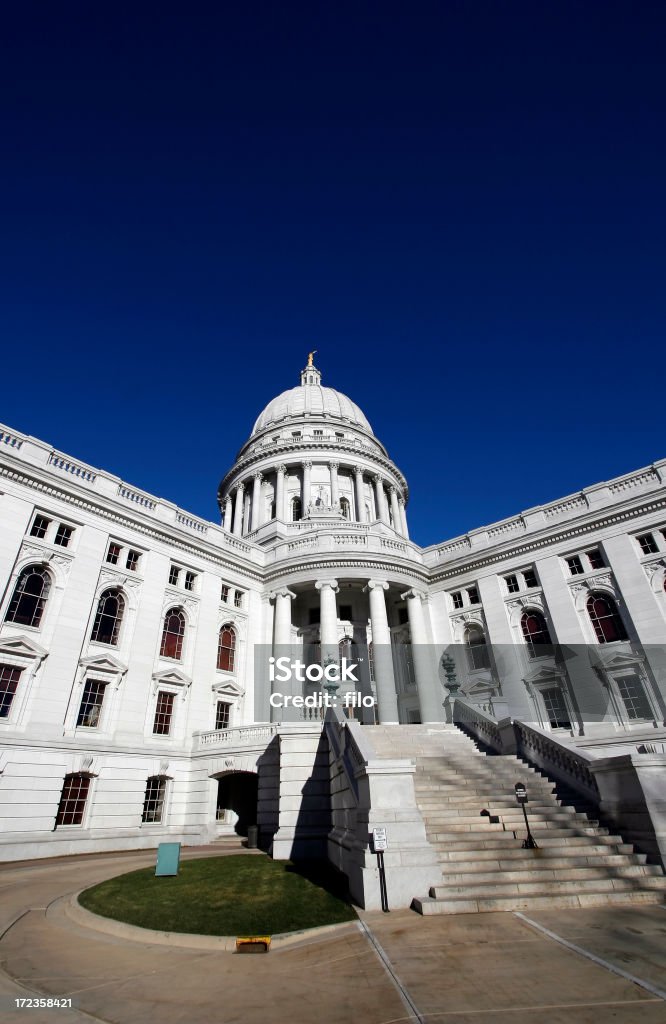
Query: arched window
point(477, 648)
point(296, 510)
point(345, 507)
point(172, 634)
point(226, 648)
point(346, 648)
point(535, 632)
point(30, 595)
point(605, 618)
point(109, 616)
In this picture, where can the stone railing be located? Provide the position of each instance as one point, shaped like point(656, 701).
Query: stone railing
point(11, 440)
point(544, 751)
point(136, 496)
point(481, 722)
point(242, 736)
point(191, 523)
point(67, 466)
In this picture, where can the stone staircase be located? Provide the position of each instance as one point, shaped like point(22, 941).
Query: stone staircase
point(484, 865)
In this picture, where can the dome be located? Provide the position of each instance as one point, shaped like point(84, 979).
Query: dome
point(311, 399)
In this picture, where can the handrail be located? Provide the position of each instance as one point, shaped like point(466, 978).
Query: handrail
point(480, 722)
point(241, 736)
point(572, 766)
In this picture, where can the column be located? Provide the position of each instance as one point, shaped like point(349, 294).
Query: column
point(282, 648)
point(395, 510)
point(387, 700)
point(228, 513)
point(403, 518)
point(380, 499)
point(328, 630)
point(431, 695)
point(360, 495)
point(279, 494)
point(238, 509)
point(255, 522)
point(335, 488)
point(307, 487)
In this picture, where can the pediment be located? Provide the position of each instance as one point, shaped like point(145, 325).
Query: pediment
point(228, 688)
point(103, 663)
point(614, 659)
point(481, 686)
point(543, 673)
point(21, 646)
point(172, 676)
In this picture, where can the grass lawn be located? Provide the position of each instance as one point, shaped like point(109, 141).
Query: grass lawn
point(238, 895)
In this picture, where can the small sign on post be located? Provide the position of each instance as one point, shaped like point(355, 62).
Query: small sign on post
point(379, 840)
point(521, 796)
point(521, 793)
point(168, 858)
point(379, 844)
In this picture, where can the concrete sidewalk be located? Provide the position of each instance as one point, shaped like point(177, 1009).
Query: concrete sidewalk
point(391, 967)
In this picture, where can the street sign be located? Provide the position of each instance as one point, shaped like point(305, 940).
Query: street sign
point(521, 793)
point(379, 840)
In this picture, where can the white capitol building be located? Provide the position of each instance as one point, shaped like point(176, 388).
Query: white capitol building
point(135, 699)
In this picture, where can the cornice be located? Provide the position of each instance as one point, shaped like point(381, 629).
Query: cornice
point(388, 569)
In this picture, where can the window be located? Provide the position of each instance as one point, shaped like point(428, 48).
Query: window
point(9, 677)
point(226, 648)
point(91, 704)
point(190, 579)
point(512, 584)
point(113, 554)
point(314, 616)
point(536, 635)
point(633, 697)
point(345, 612)
point(238, 599)
point(73, 799)
point(530, 578)
point(345, 507)
point(457, 599)
point(473, 595)
point(647, 543)
point(30, 595)
point(295, 433)
point(39, 527)
point(63, 535)
point(109, 617)
point(296, 510)
point(163, 713)
point(224, 593)
point(174, 573)
point(222, 714)
point(403, 616)
point(477, 648)
point(575, 565)
point(132, 562)
point(556, 710)
point(339, 434)
point(153, 801)
point(605, 618)
point(318, 433)
point(596, 558)
point(172, 634)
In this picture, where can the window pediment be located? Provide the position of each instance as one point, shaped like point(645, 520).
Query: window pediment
point(544, 673)
point(228, 688)
point(172, 677)
point(22, 648)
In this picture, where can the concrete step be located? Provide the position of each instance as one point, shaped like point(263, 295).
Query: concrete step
point(505, 840)
point(501, 853)
point(543, 872)
point(429, 905)
point(464, 816)
point(548, 888)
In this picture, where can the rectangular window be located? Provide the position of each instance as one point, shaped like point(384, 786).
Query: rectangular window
point(575, 565)
point(91, 704)
point(596, 558)
point(163, 713)
point(647, 543)
point(295, 433)
point(238, 599)
point(73, 800)
point(224, 593)
point(339, 434)
point(132, 562)
point(403, 616)
point(9, 677)
point(473, 595)
point(190, 579)
point(530, 578)
point(512, 584)
point(39, 527)
point(63, 535)
point(633, 697)
point(314, 616)
point(556, 711)
point(153, 801)
point(174, 573)
point(113, 554)
point(222, 715)
point(457, 599)
point(345, 612)
point(318, 433)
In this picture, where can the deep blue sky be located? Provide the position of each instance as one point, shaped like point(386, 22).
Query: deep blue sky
point(459, 204)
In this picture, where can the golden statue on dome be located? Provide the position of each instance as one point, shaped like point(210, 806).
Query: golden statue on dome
point(311, 356)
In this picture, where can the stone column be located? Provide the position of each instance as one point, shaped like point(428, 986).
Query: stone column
point(279, 494)
point(360, 495)
point(228, 513)
point(431, 695)
point(387, 700)
point(307, 488)
point(255, 522)
point(238, 509)
point(395, 510)
point(281, 649)
point(328, 630)
point(403, 518)
point(335, 488)
point(380, 498)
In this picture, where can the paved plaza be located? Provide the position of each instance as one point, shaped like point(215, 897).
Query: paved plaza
point(386, 968)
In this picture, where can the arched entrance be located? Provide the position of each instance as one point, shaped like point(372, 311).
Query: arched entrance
point(237, 800)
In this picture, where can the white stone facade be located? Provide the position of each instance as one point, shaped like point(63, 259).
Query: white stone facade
point(312, 552)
